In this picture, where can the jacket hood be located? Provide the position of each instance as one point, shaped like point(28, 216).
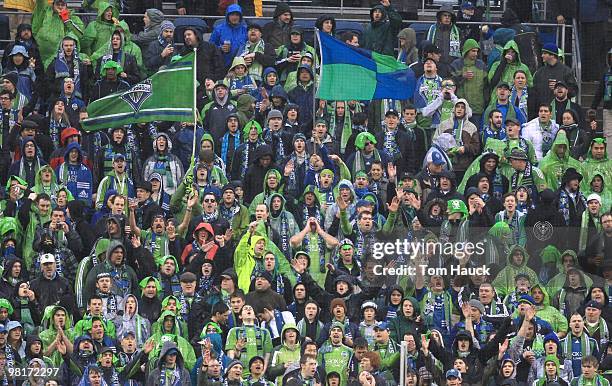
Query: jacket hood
point(167, 346)
point(589, 156)
point(560, 139)
point(279, 92)
point(38, 178)
point(512, 44)
point(415, 305)
point(451, 176)
point(269, 203)
point(446, 8)
point(26, 140)
point(289, 326)
point(73, 145)
point(156, 16)
point(114, 244)
point(125, 301)
point(102, 7)
point(281, 8)
point(267, 71)
point(266, 189)
point(488, 154)
point(546, 300)
point(262, 151)
point(346, 184)
point(168, 142)
point(47, 320)
point(233, 8)
point(243, 104)
point(410, 35)
point(462, 335)
point(310, 189)
point(525, 256)
point(207, 227)
point(302, 67)
point(254, 240)
point(382, 9)
point(238, 61)
point(468, 109)
point(469, 45)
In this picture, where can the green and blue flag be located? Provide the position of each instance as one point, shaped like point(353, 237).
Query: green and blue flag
point(352, 73)
point(166, 96)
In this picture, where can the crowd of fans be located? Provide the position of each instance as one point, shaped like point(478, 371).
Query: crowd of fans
point(125, 263)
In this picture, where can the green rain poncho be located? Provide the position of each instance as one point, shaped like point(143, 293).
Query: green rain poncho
point(508, 73)
point(50, 189)
point(554, 166)
point(98, 33)
point(36, 219)
point(183, 345)
point(605, 192)
point(49, 29)
point(128, 47)
point(504, 281)
point(591, 167)
point(49, 333)
point(558, 281)
point(179, 327)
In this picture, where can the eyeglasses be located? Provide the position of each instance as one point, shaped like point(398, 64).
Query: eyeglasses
point(368, 143)
point(5, 98)
point(209, 200)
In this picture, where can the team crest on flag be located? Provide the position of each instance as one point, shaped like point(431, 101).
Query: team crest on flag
point(138, 94)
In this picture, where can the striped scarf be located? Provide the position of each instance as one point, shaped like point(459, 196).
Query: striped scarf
point(225, 146)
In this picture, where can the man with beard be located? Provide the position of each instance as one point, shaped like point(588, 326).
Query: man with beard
point(275, 135)
point(257, 54)
point(561, 102)
point(65, 259)
point(79, 361)
point(209, 58)
point(143, 210)
point(29, 164)
point(394, 142)
point(599, 251)
point(525, 174)
point(578, 344)
point(160, 51)
point(489, 168)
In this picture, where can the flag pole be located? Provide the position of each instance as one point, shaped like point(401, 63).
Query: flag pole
point(195, 105)
point(314, 80)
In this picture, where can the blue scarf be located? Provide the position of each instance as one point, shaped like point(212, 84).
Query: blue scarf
point(225, 145)
point(62, 70)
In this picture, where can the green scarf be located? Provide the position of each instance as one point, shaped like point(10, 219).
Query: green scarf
point(584, 229)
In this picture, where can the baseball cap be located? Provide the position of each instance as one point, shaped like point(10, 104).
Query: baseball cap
point(453, 373)
point(47, 258)
point(118, 156)
point(436, 159)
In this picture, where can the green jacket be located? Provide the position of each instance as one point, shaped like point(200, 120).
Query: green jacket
point(49, 333)
point(105, 47)
point(504, 281)
point(184, 347)
point(548, 313)
point(499, 148)
point(381, 36)
point(36, 220)
point(471, 89)
point(510, 68)
point(263, 196)
point(554, 166)
point(98, 33)
point(282, 355)
point(401, 324)
point(49, 29)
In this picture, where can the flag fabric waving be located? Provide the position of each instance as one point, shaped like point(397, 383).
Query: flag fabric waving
point(165, 96)
point(351, 73)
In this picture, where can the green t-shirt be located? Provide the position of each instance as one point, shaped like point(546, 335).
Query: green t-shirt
point(258, 342)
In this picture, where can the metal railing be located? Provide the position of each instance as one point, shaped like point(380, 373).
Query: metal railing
point(577, 62)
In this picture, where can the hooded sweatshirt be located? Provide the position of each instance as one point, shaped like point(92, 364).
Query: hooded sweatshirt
point(502, 71)
point(471, 89)
point(227, 32)
point(381, 36)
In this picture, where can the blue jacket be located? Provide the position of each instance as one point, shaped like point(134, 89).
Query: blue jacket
point(77, 178)
point(237, 34)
